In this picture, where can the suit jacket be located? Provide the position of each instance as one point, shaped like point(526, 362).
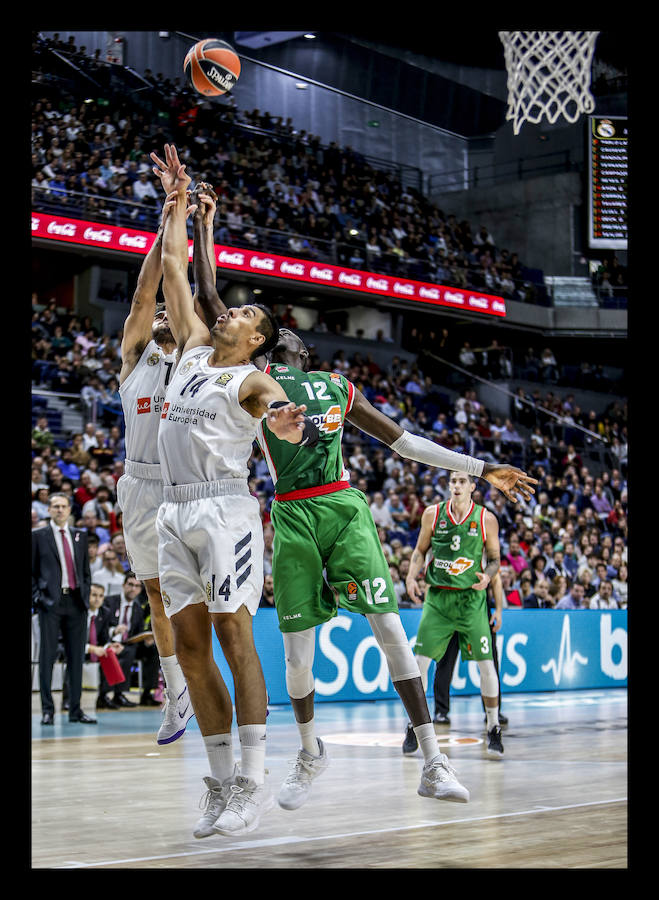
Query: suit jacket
point(47, 571)
point(136, 624)
point(102, 628)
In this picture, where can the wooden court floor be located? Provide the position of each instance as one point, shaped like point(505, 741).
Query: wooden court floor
point(107, 797)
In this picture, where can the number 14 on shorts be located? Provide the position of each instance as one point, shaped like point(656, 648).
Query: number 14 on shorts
point(223, 591)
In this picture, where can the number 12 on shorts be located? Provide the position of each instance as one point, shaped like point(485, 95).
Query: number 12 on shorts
point(379, 585)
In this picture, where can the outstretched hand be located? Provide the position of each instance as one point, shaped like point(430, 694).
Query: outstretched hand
point(205, 199)
point(171, 171)
point(511, 482)
point(287, 422)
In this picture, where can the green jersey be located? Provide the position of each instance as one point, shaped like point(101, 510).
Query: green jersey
point(456, 547)
point(311, 470)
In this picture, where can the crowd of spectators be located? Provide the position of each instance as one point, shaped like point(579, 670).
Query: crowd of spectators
point(279, 188)
point(562, 538)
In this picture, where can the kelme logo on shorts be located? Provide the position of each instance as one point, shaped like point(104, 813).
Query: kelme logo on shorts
point(455, 566)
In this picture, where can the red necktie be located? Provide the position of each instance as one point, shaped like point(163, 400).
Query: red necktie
point(93, 638)
point(70, 568)
point(125, 622)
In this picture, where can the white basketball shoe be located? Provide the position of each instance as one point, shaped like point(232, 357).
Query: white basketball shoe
point(176, 716)
point(438, 780)
point(246, 803)
point(297, 786)
point(214, 803)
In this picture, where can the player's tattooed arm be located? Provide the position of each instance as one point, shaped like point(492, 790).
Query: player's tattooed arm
point(492, 552)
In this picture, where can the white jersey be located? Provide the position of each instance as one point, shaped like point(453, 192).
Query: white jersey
point(205, 434)
point(142, 396)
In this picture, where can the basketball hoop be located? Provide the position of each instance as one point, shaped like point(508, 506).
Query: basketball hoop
point(548, 74)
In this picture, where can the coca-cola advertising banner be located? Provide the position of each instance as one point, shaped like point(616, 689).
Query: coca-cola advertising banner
point(261, 262)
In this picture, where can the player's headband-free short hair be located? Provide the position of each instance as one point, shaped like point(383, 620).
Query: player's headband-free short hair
point(160, 309)
point(269, 328)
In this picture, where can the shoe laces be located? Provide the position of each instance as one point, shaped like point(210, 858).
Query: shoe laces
point(212, 795)
point(240, 796)
point(302, 769)
point(440, 767)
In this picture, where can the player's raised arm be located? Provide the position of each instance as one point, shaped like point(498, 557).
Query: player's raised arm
point(508, 479)
point(207, 300)
point(189, 329)
point(138, 324)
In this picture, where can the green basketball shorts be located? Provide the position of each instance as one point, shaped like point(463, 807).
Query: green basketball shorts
point(445, 612)
point(327, 554)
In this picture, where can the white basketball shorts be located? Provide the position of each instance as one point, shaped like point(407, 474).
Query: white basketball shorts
point(139, 494)
point(210, 547)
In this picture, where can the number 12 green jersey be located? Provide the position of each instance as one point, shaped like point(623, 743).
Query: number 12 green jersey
point(310, 470)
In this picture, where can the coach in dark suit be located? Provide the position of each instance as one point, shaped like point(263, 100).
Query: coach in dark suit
point(60, 595)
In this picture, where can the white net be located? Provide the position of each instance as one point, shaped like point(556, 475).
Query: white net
point(549, 74)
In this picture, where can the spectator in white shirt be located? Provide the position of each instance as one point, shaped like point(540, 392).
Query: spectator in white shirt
point(604, 598)
point(381, 514)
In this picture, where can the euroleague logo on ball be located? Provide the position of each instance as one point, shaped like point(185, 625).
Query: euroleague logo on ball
point(212, 67)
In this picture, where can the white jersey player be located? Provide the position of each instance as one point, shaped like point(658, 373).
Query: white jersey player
point(209, 526)
point(149, 358)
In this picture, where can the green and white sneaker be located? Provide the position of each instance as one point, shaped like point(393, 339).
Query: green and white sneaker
point(438, 780)
point(214, 800)
point(297, 786)
point(246, 804)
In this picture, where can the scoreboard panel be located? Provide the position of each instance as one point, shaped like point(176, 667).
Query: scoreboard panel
point(607, 187)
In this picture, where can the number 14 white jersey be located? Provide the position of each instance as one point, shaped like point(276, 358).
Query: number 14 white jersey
point(205, 434)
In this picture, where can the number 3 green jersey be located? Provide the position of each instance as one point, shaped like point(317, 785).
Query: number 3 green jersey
point(457, 547)
point(328, 397)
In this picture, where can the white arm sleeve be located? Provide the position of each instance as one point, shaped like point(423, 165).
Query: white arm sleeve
point(413, 446)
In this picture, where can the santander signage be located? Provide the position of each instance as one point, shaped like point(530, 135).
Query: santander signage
point(260, 262)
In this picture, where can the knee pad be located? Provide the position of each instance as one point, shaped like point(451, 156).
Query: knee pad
point(298, 653)
point(392, 640)
point(489, 679)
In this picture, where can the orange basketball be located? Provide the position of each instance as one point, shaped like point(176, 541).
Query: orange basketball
point(212, 66)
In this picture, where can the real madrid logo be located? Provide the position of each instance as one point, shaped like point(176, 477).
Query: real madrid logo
point(166, 599)
point(153, 360)
point(223, 380)
point(186, 367)
point(606, 128)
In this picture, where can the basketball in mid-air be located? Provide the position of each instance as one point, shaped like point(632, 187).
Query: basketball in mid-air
point(212, 66)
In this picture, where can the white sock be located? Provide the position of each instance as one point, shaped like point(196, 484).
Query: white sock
point(492, 713)
point(308, 737)
point(220, 755)
point(425, 735)
point(252, 752)
point(173, 675)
